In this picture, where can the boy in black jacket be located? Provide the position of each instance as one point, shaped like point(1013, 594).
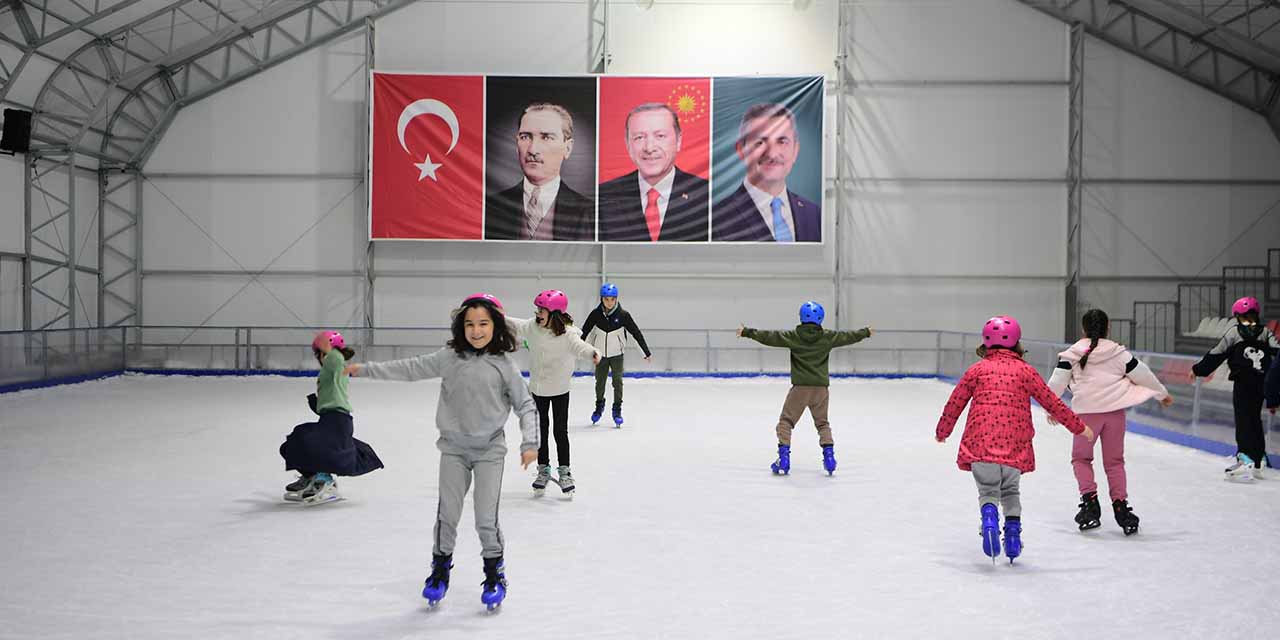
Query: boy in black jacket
point(606, 329)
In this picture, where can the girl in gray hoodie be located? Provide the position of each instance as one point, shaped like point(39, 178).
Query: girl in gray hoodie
point(480, 387)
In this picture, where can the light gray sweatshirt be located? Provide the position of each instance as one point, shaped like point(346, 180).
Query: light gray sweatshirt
point(477, 393)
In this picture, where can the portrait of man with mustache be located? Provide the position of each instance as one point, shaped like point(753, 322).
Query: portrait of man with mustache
point(762, 209)
point(541, 206)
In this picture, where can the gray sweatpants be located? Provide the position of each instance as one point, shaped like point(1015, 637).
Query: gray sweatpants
point(998, 485)
point(456, 473)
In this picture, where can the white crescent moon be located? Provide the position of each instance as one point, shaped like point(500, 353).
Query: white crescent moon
point(428, 107)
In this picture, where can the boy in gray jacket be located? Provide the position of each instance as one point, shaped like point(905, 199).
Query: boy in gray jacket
point(480, 387)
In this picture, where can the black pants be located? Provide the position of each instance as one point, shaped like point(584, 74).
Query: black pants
point(560, 406)
point(1246, 398)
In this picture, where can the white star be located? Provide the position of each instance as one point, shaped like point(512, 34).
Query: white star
point(427, 168)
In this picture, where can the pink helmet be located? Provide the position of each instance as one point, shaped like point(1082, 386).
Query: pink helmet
point(1244, 305)
point(1001, 331)
point(484, 296)
point(334, 339)
point(552, 300)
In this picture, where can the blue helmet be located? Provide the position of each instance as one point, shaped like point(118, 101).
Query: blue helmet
point(812, 312)
point(609, 290)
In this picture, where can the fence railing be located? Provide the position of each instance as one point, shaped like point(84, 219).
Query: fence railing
point(1202, 408)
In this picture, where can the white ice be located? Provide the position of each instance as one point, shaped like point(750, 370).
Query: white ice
point(149, 507)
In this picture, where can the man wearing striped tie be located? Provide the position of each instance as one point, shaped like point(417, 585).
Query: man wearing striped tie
point(763, 209)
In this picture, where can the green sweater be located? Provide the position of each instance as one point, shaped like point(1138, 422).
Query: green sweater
point(331, 385)
point(810, 350)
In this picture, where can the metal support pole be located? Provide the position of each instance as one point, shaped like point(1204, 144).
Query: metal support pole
point(102, 240)
point(1075, 169)
point(363, 152)
point(843, 34)
point(1195, 408)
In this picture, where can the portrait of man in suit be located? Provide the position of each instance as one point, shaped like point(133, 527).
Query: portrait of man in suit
point(763, 209)
point(541, 206)
point(657, 201)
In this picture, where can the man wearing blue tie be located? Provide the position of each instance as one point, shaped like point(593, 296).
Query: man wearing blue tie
point(762, 209)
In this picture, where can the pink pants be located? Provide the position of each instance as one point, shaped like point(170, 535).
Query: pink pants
point(1109, 428)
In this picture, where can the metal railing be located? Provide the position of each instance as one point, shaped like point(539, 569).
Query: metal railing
point(1203, 408)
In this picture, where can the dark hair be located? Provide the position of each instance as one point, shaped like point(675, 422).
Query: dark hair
point(1251, 316)
point(1096, 325)
point(983, 349)
point(502, 341)
point(347, 354)
point(556, 321)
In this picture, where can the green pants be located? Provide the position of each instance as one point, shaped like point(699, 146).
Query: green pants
point(602, 372)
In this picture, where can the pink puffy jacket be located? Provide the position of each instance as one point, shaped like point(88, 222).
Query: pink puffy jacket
point(999, 429)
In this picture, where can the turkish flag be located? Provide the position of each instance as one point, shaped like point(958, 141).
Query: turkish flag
point(427, 157)
point(690, 98)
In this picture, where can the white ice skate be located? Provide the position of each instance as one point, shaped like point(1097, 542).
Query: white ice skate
point(1242, 470)
point(293, 490)
point(322, 490)
point(540, 482)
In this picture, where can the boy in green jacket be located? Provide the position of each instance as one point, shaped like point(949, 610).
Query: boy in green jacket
point(810, 381)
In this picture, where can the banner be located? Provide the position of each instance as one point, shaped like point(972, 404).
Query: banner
point(596, 158)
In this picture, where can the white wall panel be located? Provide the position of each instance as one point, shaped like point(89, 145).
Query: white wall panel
point(956, 41)
point(959, 132)
point(250, 224)
point(304, 116)
point(948, 229)
point(1144, 122)
point(11, 204)
point(521, 37)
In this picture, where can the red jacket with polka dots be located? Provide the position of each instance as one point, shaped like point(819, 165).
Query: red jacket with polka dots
point(999, 429)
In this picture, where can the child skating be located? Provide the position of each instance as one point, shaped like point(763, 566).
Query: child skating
point(1248, 348)
point(554, 346)
point(996, 445)
point(480, 387)
point(810, 347)
point(320, 450)
point(1104, 380)
point(606, 328)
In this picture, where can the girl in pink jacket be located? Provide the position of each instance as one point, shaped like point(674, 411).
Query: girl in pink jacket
point(1104, 381)
point(996, 445)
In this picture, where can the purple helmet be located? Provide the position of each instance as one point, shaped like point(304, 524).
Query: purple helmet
point(484, 296)
point(552, 300)
point(1001, 331)
point(334, 339)
point(1244, 305)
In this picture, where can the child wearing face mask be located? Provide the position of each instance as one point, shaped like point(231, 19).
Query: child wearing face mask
point(481, 387)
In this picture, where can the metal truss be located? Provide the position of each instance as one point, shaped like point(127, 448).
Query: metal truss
point(1075, 172)
point(114, 97)
point(124, 69)
point(119, 248)
point(1229, 47)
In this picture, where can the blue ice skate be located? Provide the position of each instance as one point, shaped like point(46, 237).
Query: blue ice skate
point(438, 584)
point(829, 458)
point(617, 416)
point(599, 411)
point(495, 583)
point(990, 530)
point(783, 464)
point(1012, 538)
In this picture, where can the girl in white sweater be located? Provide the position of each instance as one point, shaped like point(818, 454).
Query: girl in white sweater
point(554, 350)
point(1104, 380)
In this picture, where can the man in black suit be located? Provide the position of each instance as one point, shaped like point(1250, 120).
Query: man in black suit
point(541, 207)
point(763, 209)
point(657, 201)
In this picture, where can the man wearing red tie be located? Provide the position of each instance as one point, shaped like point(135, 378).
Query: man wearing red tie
point(657, 201)
point(763, 209)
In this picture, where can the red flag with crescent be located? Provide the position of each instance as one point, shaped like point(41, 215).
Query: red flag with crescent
point(427, 157)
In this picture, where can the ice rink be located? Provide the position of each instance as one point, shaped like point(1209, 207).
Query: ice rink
point(150, 507)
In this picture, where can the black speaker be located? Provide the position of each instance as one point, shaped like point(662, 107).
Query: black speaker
point(16, 137)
